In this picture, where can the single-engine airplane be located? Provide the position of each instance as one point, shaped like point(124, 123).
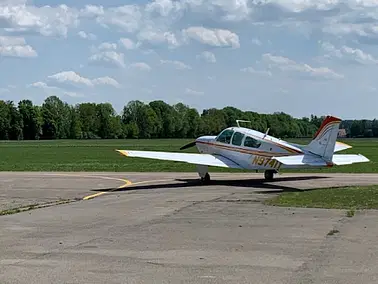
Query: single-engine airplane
point(244, 148)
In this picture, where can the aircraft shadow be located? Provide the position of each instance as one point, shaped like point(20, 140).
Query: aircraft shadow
point(268, 187)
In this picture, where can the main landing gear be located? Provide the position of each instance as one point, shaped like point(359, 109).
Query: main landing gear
point(205, 177)
point(269, 174)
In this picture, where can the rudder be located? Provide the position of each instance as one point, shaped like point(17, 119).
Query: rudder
point(324, 141)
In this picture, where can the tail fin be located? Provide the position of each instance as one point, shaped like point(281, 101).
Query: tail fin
point(324, 141)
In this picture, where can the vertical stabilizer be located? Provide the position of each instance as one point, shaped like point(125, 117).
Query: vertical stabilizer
point(323, 143)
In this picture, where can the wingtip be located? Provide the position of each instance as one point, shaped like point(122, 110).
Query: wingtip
point(344, 144)
point(365, 158)
point(123, 152)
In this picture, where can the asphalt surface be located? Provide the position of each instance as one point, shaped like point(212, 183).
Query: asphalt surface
point(166, 228)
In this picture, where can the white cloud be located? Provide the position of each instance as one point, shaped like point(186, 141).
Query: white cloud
point(53, 90)
point(39, 85)
point(165, 8)
point(107, 46)
point(128, 17)
point(286, 64)
point(213, 37)
point(109, 58)
point(207, 56)
point(106, 55)
point(85, 35)
point(71, 77)
point(15, 47)
point(258, 72)
point(73, 94)
point(128, 43)
point(45, 20)
point(347, 53)
point(177, 64)
point(92, 11)
point(141, 66)
point(156, 36)
point(193, 92)
point(106, 81)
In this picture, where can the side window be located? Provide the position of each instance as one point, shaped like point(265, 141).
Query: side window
point(225, 136)
point(250, 142)
point(237, 139)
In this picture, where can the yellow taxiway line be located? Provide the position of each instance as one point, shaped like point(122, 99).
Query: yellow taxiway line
point(125, 181)
point(126, 184)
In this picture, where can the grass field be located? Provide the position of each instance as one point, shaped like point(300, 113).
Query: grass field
point(100, 155)
point(353, 197)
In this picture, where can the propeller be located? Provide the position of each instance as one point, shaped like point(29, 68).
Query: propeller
point(191, 144)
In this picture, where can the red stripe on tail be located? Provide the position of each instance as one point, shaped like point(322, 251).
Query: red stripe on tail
point(329, 119)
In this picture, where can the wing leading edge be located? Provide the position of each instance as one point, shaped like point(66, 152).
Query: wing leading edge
point(198, 159)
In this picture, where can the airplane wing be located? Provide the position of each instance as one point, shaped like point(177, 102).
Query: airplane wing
point(310, 160)
point(191, 158)
point(339, 146)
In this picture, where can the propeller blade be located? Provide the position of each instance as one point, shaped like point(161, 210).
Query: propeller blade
point(191, 144)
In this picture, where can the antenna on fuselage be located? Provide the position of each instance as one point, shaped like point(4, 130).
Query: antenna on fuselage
point(266, 133)
point(239, 120)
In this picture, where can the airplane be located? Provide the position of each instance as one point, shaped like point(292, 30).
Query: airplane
point(248, 149)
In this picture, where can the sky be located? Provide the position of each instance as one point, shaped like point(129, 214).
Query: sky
point(301, 57)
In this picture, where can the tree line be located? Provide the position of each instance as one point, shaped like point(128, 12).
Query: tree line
point(55, 119)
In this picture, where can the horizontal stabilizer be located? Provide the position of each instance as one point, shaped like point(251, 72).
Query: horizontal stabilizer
point(191, 158)
point(347, 159)
point(339, 146)
point(312, 160)
point(301, 160)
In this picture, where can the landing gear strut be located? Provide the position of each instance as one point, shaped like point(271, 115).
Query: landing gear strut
point(203, 173)
point(269, 174)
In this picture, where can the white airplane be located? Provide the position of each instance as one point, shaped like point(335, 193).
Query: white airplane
point(244, 148)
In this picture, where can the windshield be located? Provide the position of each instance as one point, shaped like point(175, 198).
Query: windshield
point(225, 136)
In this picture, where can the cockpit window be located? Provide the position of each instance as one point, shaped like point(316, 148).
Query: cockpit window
point(237, 138)
point(225, 136)
point(250, 142)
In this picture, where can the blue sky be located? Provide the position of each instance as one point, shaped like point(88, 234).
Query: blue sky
point(297, 56)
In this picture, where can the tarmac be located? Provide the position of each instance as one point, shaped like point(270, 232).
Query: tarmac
point(167, 228)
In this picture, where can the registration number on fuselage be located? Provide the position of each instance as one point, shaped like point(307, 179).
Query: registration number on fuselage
point(266, 162)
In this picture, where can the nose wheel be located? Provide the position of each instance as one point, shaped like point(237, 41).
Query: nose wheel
point(205, 179)
point(203, 173)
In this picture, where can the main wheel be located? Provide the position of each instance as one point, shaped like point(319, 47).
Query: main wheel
point(268, 174)
point(206, 178)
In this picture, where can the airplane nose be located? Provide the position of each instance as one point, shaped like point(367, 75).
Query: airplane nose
point(206, 139)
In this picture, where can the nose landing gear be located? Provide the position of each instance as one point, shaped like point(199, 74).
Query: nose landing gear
point(203, 173)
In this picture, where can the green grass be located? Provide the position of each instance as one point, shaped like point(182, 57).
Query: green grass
point(100, 155)
point(351, 198)
point(32, 206)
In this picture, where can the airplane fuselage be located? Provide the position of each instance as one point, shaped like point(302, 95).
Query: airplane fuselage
point(244, 147)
